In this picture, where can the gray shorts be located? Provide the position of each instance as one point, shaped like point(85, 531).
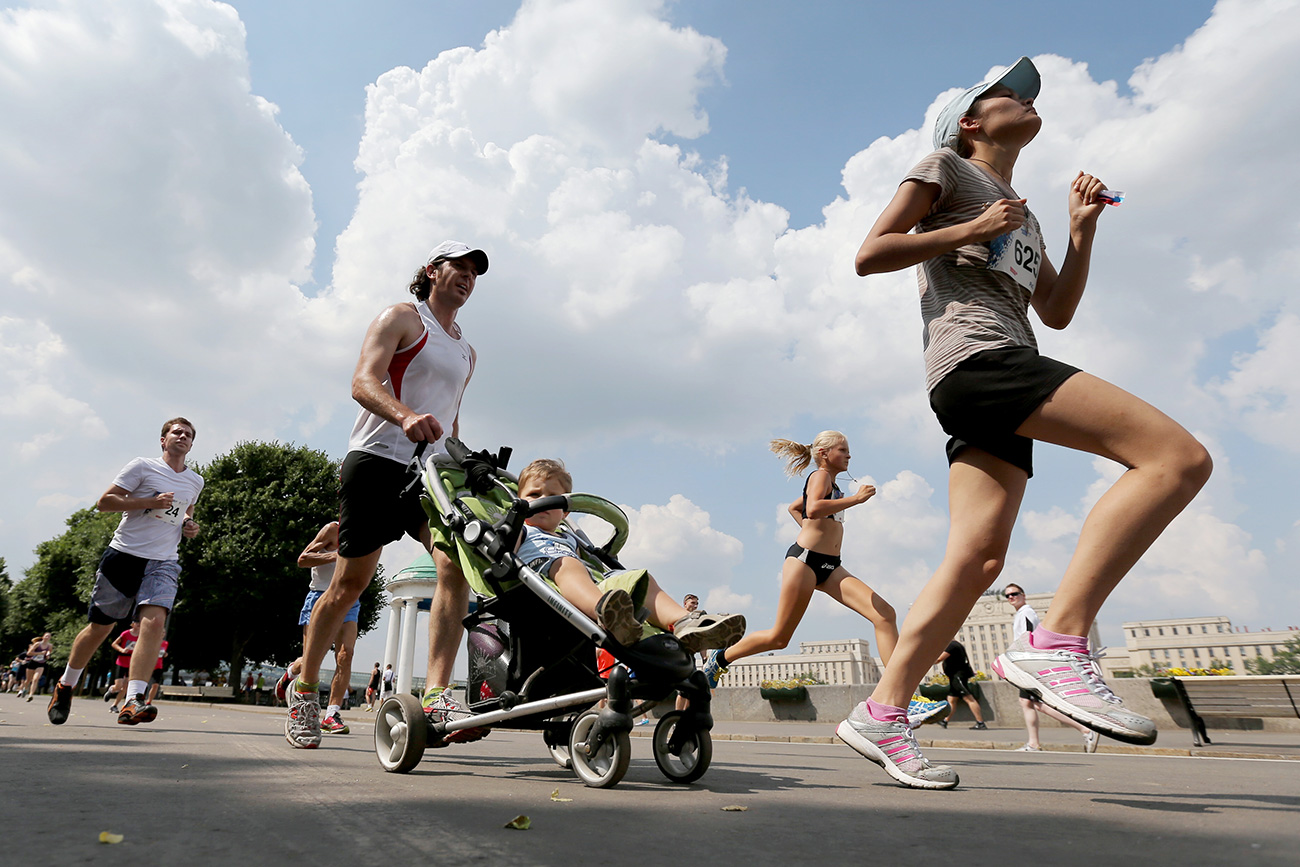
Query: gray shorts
point(124, 582)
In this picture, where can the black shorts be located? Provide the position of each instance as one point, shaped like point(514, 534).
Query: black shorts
point(957, 686)
point(822, 565)
point(157, 675)
point(373, 509)
point(986, 397)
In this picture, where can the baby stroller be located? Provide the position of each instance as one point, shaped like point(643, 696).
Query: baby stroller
point(533, 660)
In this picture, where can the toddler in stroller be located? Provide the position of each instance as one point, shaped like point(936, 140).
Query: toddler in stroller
point(532, 651)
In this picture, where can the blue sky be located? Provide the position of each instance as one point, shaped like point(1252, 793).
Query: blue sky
point(671, 194)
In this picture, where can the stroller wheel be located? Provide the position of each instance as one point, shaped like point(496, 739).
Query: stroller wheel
point(560, 752)
point(604, 769)
point(557, 742)
point(400, 733)
point(691, 760)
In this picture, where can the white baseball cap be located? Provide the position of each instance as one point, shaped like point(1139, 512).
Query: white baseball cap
point(457, 250)
point(1021, 76)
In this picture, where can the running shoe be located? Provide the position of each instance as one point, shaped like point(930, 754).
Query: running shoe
point(616, 614)
point(893, 746)
point(713, 671)
point(60, 704)
point(334, 725)
point(698, 631)
point(1032, 749)
point(135, 711)
point(282, 686)
point(302, 723)
point(31, 695)
point(1071, 682)
point(440, 706)
point(943, 723)
point(114, 709)
point(110, 694)
point(979, 726)
point(1090, 739)
point(920, 709)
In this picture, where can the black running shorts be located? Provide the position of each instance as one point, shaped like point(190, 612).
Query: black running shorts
point(373, 509)
point(986, 397)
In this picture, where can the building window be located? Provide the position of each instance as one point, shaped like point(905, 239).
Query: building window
point(1204, 629)
point(1146, 632)
point(1196, 652)
point(1175, 630)
point(1220, 627)
point(1160, 629)
point(1166, 654)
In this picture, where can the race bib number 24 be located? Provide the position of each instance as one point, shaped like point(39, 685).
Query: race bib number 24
point(173, 514)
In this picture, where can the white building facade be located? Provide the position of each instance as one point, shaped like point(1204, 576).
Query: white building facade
point(846, 662)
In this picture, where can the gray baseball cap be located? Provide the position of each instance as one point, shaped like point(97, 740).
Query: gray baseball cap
point(1021, 76)
point(457, 250)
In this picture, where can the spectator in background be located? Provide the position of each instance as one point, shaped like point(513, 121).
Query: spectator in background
point(956, 665)
point(1025, 621)
point(124, 644)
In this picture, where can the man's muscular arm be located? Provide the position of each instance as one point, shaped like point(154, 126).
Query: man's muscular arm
point(397, 327)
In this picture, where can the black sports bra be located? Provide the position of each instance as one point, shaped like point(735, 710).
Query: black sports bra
point(836, 494)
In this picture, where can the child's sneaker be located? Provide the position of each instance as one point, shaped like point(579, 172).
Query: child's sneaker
point(893, 746)
point(698, 631)
point(302, 722)
point(616, 614)
point(135, 711)
point(440, 706)
point(1069, 681)
point(920, 709)
point(60, 704)
point(713, 671)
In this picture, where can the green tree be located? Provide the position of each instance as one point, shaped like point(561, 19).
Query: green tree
point(52, 595)
point(241, 583)
point(1285, 661)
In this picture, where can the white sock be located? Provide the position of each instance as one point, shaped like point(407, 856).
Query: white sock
point(333, 709)
point(136, 688)
point(71, 676)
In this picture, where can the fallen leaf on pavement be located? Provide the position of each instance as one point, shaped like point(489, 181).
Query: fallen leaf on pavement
point(519, 823)
point(734, 808)
point(109, 837)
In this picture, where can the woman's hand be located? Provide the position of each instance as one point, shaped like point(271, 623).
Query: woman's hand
point(865, 492)
point(1084, 204)
point(998, 218)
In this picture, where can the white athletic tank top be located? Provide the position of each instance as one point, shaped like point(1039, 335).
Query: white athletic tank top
point(321, 576)
point(429, 376)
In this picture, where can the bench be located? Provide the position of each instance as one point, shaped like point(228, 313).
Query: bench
point(1235, 697)
point(219, 693)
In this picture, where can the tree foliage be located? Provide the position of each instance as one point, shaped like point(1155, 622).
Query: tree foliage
point(51, 597)
point(1285, 661)
point(241, 586)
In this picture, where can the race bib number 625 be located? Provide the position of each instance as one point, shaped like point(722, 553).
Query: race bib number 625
point(1019, 254)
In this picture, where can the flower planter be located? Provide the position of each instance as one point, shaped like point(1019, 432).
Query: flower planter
point(784, 693)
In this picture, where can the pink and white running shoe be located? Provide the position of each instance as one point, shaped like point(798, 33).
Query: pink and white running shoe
point(1071, 682)
point(893, 746)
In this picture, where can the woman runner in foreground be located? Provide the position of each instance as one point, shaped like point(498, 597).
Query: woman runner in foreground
point(980, 265)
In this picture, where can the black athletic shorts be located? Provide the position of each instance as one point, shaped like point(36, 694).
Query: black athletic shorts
point(373, 510)
point(957, 686)
point(986, 397)
point(822, 565)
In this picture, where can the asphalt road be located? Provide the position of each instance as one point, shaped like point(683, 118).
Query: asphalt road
point(219, 785)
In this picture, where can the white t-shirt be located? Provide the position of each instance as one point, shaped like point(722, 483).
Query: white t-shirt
point(429, 376)
point(1024, 621)
point(154, 534)
point(321, 576)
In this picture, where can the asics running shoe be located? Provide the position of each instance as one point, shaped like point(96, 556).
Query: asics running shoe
point(920, 709)
point(1071, 682)
point(135, 711)
point(713, 670)
point(282, 686)
point(440, 706)
point(302, 722)
point(60, 704)
point(893, 746)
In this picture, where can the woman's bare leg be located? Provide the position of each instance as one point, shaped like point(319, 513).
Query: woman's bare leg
point(797, 583)
point(1166, 468)
point(853, 593)
point(984, 495)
